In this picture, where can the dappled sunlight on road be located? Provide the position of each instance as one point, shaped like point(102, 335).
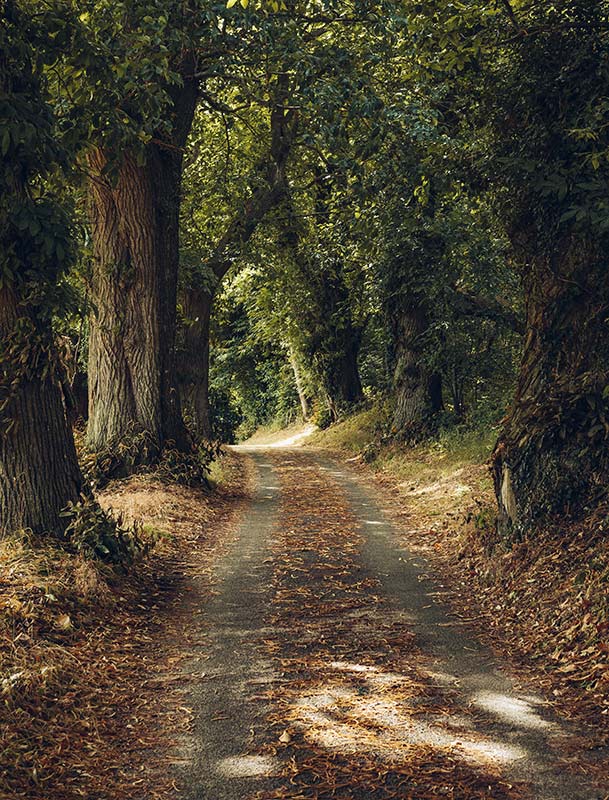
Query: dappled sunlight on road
point(381, 692)
point(516, 711)
point(247, 766)
point(380, 715)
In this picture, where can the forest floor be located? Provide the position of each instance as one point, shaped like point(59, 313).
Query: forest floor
point(301, 632)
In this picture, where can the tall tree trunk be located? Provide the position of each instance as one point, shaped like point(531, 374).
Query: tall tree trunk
point(135, 224)
point(552, 456)
point(302, 395)
point(341, 376)
point(39, 471)
point(417, 389)
point(194, 367)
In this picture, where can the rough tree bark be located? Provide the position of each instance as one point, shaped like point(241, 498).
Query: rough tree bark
point(552, 456)
point(135, 225)
point(417, 389)
point(39, 471)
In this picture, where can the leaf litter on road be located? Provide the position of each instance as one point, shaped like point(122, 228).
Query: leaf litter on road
point(363, 718)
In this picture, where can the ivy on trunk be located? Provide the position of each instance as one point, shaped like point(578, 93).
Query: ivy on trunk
point(39, 471)
point(552, 456)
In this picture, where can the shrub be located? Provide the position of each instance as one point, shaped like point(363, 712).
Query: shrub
point(96, 535)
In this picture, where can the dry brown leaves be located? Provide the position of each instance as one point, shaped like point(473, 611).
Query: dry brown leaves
point(544, 604)
point(354, 716)
point(91, 661)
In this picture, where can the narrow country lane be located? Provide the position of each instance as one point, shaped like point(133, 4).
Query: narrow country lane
point(331, 672)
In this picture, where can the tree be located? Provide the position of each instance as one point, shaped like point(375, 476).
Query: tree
point(134, 221)
point(268, 184)
point(135, 170)
point(328, 336)
point(528, 86)
point(551, 133)
point(314, 72)
point(39, 471)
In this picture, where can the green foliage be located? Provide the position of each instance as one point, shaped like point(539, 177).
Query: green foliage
point(138, 452)
point(226, 416)
point(93, 533)
point(35, 237)
point(442, 152)
point(188, 469)
point(135, 450)
point(249, 368)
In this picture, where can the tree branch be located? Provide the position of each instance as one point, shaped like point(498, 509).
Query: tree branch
point(270, 177)
point(471, 305)
point(511, 15)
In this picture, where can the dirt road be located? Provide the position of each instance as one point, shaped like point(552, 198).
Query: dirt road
point(332, 672)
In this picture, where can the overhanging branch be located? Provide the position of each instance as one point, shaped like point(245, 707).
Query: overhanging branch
point(471, 305)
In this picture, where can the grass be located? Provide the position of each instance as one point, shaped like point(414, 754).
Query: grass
point(432, 475)
point(353, 434)
point(217, 472)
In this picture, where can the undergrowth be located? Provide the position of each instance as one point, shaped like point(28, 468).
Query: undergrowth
point(95, 534)
point(137, 453)
point(365, 434)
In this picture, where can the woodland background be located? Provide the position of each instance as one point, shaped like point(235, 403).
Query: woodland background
point(387, 218)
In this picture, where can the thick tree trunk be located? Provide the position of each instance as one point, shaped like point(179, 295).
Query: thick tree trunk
point(39, 471)
point(552, 456)
point(418, 390)
point(131, 338)
point(342, 379)
point(194, 366)
point(135, 226)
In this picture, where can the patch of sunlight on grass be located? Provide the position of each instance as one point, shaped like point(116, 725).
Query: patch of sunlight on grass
point(289, 437)
point(438, 477)
point(274, 432)
point(352, 434)
point(216, 472)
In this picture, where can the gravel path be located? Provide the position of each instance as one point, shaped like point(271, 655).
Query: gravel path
point(332, 672)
